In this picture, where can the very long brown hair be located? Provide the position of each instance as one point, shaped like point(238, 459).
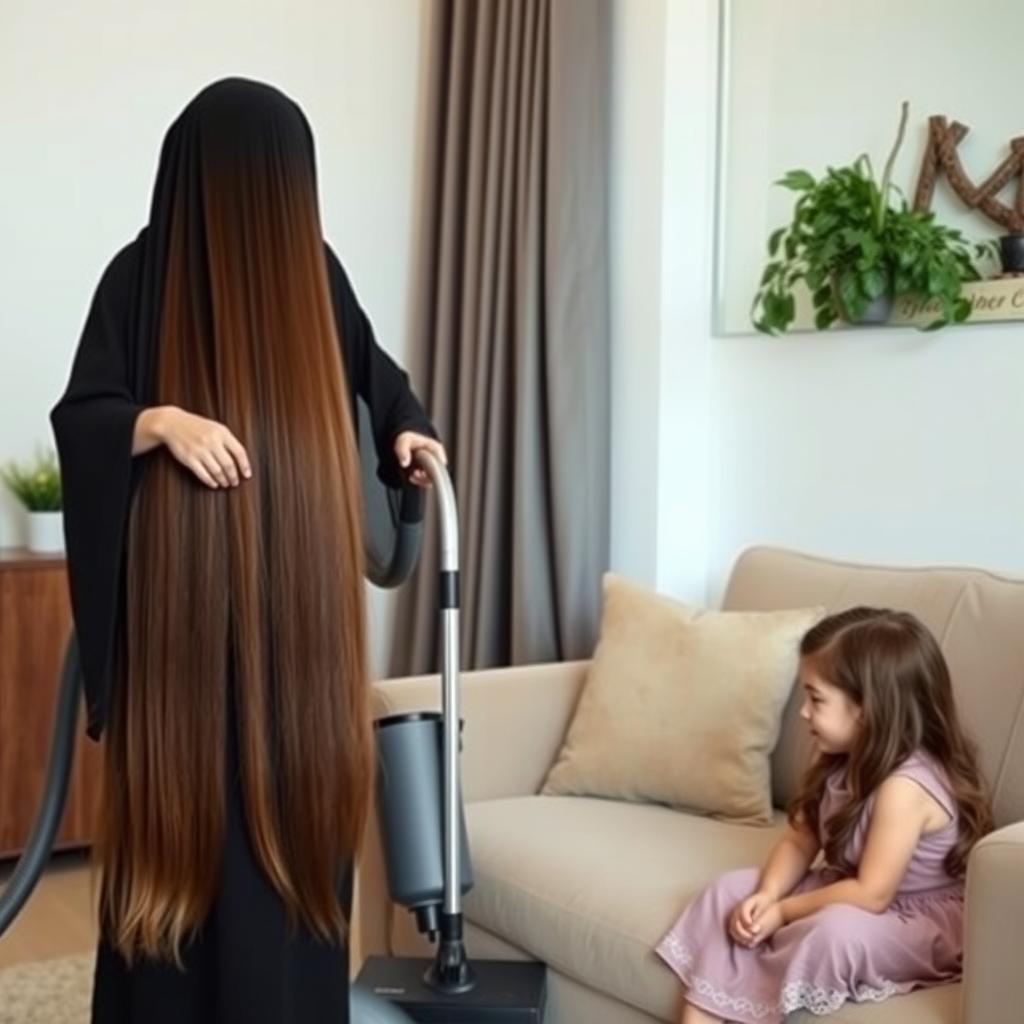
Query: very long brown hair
point(260, 584)
point(889, 664)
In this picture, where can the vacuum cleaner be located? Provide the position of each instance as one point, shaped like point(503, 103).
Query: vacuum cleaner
point(423, 836)
point(392, 534)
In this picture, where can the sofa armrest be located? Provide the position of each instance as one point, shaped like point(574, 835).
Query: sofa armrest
point(994, 910)
point(515, 720)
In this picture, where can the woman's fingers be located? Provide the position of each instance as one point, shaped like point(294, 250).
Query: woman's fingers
point(213, 467)
point(404, 448)
point(202, 472)
point(409, 442)
point(419, 476)
point(437, 449)
point(226, 459)
point(239, 454)
point(208, 449)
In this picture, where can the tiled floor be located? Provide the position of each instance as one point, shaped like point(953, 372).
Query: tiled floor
point(58, 918)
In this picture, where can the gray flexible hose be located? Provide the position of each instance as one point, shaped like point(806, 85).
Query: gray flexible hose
point(44, 829)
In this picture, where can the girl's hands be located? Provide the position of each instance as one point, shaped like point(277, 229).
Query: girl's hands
point(204, 446)
point(769, 922)
point(755, 919)
point(407, 444)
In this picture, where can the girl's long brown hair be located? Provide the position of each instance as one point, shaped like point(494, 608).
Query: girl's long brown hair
point(889, 664)
point(260, 586)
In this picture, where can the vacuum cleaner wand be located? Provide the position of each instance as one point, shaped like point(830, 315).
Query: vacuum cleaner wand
point(451, 971)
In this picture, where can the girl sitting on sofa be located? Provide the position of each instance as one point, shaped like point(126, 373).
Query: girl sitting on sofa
point(894, 800)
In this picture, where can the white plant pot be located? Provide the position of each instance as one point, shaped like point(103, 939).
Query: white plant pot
point(46, 533)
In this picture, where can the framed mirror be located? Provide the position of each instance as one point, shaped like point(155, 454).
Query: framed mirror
point(810, 84)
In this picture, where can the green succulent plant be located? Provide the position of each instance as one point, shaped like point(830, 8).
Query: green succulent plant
point(36, 484)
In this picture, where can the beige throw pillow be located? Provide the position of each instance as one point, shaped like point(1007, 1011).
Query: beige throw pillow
point(682, 706)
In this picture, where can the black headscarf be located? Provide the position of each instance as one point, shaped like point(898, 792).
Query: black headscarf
point(112, 378)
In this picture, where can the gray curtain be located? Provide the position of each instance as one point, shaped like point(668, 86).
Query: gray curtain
point(511, 336)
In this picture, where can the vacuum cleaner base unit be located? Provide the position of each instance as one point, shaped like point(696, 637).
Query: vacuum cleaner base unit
point(506, 991)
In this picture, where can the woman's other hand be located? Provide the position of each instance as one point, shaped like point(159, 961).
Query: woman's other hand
point(407, 444)
point(205, 447)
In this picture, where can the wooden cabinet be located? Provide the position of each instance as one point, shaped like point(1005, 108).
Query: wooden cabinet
point(35, 620)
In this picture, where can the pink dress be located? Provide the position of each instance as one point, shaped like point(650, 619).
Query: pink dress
point(839, 953)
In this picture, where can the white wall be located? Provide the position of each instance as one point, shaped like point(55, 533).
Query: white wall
point(663, 70)
point(86, 96)
point(796, 99)
point(883, 445)
point(635, 230)
point(886, 445)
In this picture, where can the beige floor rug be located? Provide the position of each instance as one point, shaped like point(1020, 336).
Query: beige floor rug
point(47, 991)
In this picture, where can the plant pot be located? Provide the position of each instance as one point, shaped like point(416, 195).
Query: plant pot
point(1011, 253)
point(46, 533)
point(877, 311)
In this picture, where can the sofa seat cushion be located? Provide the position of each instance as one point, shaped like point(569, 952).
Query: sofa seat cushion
point(940, 1005)
point(590, 886)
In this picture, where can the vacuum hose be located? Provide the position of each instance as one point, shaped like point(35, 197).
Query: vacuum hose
point(62, 748)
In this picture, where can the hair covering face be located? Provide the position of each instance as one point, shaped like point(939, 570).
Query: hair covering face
point(232, 127)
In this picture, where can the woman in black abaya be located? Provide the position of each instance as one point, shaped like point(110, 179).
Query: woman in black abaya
point(213, 528)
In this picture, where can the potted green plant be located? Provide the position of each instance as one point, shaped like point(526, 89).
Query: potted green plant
point(855, 249)
point(37, 486)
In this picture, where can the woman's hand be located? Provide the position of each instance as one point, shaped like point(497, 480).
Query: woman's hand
point(407, 444)
point(205, 447)
point(747, 921)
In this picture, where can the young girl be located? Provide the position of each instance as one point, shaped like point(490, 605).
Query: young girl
point(894, 801)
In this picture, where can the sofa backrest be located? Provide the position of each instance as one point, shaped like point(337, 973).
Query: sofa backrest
point(977, 617)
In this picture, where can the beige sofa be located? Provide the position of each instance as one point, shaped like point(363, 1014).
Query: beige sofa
point(590, 885)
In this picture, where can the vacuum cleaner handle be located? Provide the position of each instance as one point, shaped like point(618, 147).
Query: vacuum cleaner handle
point(449, 594)
point(48, 817)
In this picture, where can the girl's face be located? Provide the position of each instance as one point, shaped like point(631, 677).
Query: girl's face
point(833, 718)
